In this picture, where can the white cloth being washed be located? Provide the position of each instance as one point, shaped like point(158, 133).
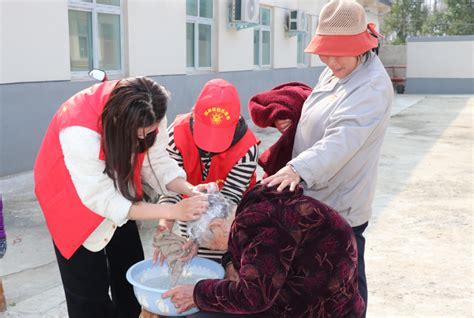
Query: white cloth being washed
point(171, 246)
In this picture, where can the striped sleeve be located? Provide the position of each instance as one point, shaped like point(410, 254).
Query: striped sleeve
point(239, 177)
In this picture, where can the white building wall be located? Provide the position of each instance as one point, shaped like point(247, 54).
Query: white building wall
point(443, 59)
point(34, 41)
point(35, 38)
point(234, 48)
point(156, 37)
point(282, 4)
point(312, 9)
point(284, 46)
point(311, 6)
point(315, 61)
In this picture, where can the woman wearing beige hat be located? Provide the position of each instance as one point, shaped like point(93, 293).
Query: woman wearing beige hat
point(343, 121)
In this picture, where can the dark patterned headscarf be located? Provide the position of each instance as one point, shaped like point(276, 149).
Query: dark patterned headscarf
point(260, 193)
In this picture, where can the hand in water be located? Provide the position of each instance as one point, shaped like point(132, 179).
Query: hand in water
point(192, 249)
point(157, 255)
point(182, 297)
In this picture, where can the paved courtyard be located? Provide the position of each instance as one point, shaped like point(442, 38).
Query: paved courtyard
point(419, 242)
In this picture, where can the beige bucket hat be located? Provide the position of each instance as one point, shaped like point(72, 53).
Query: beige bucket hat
point(343, 31)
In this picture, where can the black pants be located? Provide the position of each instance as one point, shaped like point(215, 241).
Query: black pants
point(362, 281)
point(87, 277)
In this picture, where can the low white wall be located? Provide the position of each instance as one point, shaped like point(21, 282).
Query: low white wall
point(441, 57)
point(440, 65)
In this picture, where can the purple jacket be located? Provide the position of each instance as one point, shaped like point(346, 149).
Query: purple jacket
point(2, 226)
point(3, 240)
point(296, 257)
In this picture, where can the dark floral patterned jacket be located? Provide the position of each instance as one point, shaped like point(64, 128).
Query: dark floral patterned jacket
point(296, 257)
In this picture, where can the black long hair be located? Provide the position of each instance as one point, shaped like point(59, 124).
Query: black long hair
point(134, 103)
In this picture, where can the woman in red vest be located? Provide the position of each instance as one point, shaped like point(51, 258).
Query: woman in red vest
point(98, 147)
point(214, 144)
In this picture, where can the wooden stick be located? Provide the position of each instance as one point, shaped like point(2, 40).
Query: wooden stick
point(3, 303)
point(147, 314)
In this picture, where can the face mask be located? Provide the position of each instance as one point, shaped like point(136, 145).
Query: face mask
point(145, 143)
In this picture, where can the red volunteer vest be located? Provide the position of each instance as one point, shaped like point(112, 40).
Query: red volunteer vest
point(221, 164)
point(69, 221)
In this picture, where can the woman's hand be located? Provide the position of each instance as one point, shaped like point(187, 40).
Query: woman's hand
point(210, 187)
point(231, 273)
point(157, 255)
point(192, 249)
point(285, 177)
point(190, 209)
point(282, 124)
point(182, 297)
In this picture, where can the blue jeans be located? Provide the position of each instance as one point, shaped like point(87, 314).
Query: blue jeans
point(3, 246)
point(362, 281)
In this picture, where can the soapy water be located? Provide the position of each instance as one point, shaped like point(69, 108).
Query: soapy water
point(158, 277)
point(164, 282)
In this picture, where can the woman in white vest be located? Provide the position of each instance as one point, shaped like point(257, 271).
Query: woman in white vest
point(99, 146)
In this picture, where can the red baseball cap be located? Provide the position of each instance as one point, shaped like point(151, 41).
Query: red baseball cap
point(216, 114)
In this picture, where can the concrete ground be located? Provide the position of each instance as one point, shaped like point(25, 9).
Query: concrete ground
point(419, 242)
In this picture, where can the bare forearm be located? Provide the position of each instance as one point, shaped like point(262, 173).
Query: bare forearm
point(150, 211)
point(186, 210)
point(180, 185)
